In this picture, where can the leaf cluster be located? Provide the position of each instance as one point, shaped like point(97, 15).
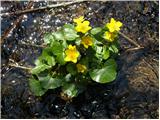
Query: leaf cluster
point(51, 71)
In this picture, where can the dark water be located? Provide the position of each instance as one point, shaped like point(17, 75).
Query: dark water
point(134, 94)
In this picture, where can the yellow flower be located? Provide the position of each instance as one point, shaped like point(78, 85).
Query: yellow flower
point(81, 68)
point(79, 20)
point(82, 25)
point(109, 36)
point(114, 25)
point(87, 41)
point(71, 54)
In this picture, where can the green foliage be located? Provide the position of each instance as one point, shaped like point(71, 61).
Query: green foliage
point(96, 30)
point(39, 68)
point(70, 89)
point(48, 82)
point(105, 74)
point(93, 63)
point(36, 87)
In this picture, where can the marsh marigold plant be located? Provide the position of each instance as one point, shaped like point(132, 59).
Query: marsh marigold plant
point(76, 55)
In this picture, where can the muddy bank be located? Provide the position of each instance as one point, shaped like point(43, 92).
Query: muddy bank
point(134, 94)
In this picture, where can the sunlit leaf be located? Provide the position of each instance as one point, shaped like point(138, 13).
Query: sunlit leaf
point(96, 30)
point(39, 68)
point(58, 35)
point(69, 32)
point(105, 74)
point(48, 38)
point(70, 90)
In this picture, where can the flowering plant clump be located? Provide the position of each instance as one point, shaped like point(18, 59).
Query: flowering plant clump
point(75, 56)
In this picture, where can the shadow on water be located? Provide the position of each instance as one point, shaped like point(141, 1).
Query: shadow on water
point(134, 94)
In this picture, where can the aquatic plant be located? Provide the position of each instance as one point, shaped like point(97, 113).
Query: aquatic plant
point(75, 56)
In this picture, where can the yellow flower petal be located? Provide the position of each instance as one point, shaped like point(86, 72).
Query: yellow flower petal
point(113, 21)
point(87, 41)
point(114, 25)
point(109, 36)
point(119, 24)
point(83, 26)
point(79, 20)
point(81, 68)
point(71, 54)
point(86, 23)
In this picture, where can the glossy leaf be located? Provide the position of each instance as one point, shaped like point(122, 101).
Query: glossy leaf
point(96, 30)
point(104, 75)
point(111, 62)
point(39, 68)
point(48, 38)
point(50, 60)
point(36, 88)
point(48, 82)
point(113, 48)
point(58, 35)
point(70, 90)
point(69, 32)
point(56, 48)
point(60, 58)
point(106, 53)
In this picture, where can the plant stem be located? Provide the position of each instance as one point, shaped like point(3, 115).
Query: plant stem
point(22, 67)
point(38, 46)
point(42, 8)
point(129, 39)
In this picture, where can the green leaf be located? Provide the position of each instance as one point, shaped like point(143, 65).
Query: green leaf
point(60, 58)
point(99, 52)
point(106, 74)
point(71, 68)
point(70, 89)
point(36, 88)
point(56, 48)
point(58, 35)
point(48, 38)
point(48, 82)
point(38, 62)
point(68, 77)
point(50, 60)
point(39, 68)
point(99, 49)
point(69, 32)
point(69, 26)
point(96, 30)
point(113, 48)
point(78, 41)
point(111, 62)
point(106, 53)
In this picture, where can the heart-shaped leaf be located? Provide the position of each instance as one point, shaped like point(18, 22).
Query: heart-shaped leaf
point(106, 74)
